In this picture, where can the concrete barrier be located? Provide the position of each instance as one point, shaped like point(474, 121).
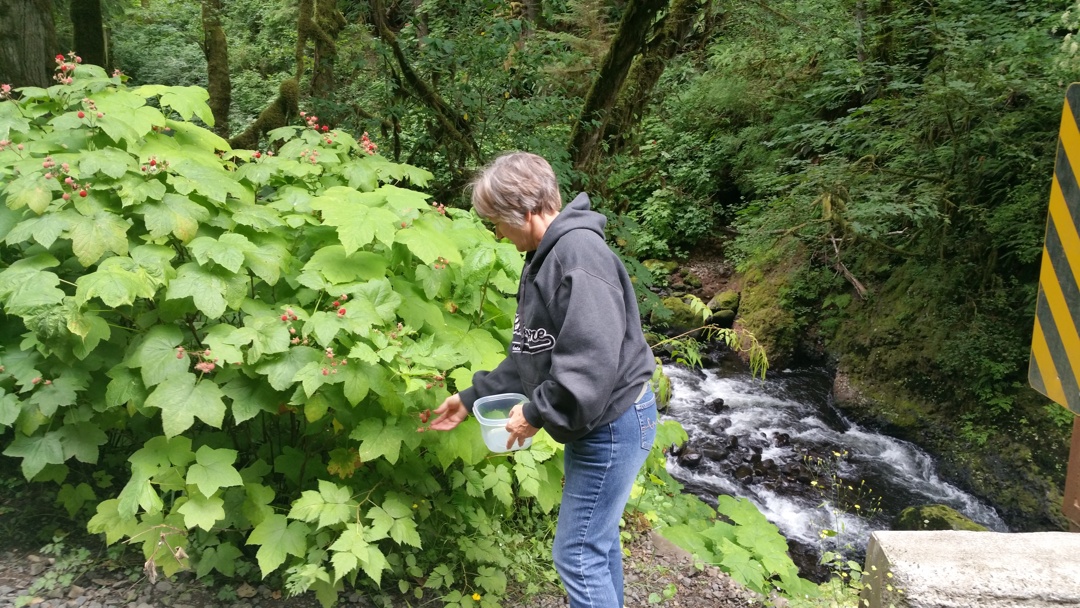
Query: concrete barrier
point(959, 569)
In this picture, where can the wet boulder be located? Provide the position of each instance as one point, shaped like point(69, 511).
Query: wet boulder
point(743, 471)
point(782, 440)
point(690, 460)
point(715, 454)
point(934, 517)
point(717, 406)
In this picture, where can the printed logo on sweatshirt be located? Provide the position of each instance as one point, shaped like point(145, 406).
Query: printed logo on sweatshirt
point(530, 341)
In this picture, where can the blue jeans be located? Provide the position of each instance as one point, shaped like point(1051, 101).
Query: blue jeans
point(600, 470)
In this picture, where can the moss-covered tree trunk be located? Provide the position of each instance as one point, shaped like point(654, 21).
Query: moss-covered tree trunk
point(216, 49)
point(27, 42)
point(89, 32)
point(320, 23)
point(647, 70)
point(453, 126)
point(585, 140)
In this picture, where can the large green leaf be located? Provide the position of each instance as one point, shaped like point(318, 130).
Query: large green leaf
point(173, 214)
point(31, 191)
point(229, 250)
point(26, 286)
point(109, 161)
point(337, 266)
point(358, 222)
point(36, 451)
point(117, 281)
point(205, 286)
point(281, 370)
point(331, 505)
point(91, 237)
point(156, 355)
point(185, 101)
point(182, 398)
point(378, 439)
point(109, 521)
point(213, 469)
point(45, 229)
point(428, 242)
point(371, 303)
point(249, 397)
point(278, 539)
point(202, 512)
point(81, 441)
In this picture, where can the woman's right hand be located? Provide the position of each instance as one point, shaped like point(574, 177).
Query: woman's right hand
point(450, 414)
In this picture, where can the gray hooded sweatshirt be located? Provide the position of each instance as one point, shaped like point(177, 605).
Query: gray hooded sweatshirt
point(577, 352)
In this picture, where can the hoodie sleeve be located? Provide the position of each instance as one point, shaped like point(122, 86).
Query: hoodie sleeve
point(591, 319)
point(503, 379)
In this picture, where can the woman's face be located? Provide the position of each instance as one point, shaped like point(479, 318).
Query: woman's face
point(520, 236)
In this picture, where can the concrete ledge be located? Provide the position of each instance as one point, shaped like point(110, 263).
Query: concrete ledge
point(959, 569)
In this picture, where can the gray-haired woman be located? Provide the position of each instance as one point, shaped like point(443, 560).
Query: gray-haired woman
point(578, 353)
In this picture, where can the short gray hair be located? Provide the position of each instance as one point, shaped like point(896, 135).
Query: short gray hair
point(513, 185)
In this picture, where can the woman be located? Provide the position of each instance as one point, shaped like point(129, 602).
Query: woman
point(578, 353)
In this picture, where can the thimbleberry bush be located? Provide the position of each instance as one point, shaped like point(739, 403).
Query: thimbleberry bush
point(247, 341)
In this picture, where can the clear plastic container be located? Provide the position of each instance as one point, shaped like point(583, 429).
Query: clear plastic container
point(493, 412)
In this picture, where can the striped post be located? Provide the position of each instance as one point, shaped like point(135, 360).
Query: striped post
point(1054, 368)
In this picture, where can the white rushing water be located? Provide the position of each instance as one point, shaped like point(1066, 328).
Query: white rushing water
point(797, 404)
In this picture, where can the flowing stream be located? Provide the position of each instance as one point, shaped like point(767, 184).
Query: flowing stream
point(770, 441)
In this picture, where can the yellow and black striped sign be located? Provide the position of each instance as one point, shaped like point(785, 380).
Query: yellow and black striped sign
point(1055, 347)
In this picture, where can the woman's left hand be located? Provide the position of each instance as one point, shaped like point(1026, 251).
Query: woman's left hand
point(519, 428)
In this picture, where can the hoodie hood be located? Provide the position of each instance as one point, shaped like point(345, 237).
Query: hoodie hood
point(575, 216)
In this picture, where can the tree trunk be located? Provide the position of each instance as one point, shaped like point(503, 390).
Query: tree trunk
point(589, 128)
point(319, 22)
point(27, 42)
point(89, 32)
point(647, 70)
point(216, 49)
point(278, 114)
point(453, 124)
point(860, 30)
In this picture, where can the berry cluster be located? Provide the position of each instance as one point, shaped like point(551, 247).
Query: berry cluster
point(4, 143)
point(89, 103)
point(37, 380)
point(207, 363)
point(439, 207)
point(5, 91)
point(65, 66)
point(441, 263)
point(153, 166)
point(311, 156)
point(367, 144)
point(257, 155)
point(313, 122)
point(334, 362)
point(55, 171)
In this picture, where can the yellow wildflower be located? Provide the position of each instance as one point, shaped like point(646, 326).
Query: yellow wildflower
point(476, 597)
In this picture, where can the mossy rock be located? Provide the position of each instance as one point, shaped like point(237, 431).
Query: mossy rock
point(682, 316)
point(691, 280)
point(934, 517)
point(725, 300)
point(660, 268)
point(723, 318)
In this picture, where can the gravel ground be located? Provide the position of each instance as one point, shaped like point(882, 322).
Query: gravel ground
point(652, 566)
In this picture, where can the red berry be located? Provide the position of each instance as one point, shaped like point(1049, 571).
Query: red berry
point(65, 196)
point(403, 224)
point(153, 162)
point(101, 115)
point(325, 128)
point(325, 372)
point(81, 114)
point(258, 155)
point(337, 303)
point(341, 312)
point(82, 193)
point(284, 317)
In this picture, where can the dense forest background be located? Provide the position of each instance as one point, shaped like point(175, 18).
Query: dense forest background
point(876, 172)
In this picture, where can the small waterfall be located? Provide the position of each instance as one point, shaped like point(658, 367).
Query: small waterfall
point(777, 429)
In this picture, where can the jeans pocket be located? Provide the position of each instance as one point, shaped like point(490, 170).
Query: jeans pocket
point(646, 414)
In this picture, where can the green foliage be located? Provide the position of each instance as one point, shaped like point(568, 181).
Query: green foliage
point(735, 536)
point(246, 342)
